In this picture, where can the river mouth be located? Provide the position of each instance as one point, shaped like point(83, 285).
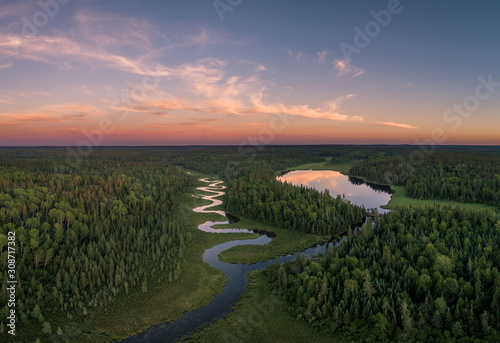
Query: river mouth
point(236, 274)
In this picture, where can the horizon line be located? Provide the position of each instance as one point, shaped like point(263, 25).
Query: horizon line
point(245, 145)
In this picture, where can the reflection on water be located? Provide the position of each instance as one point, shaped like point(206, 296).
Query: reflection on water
point(353, 189)
point(236, 274)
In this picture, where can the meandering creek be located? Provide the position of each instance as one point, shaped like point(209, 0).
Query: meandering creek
point(236, 274)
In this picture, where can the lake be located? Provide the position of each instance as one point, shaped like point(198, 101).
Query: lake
point(355, 190)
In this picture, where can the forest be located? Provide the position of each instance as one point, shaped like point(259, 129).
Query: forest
point(88, 235)
point(91, 232)
point(459, 176)
point(294, 208)
point(418, 275)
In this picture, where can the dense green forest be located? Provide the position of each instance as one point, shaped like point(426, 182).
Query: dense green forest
point(90, 231)
point(87, 235)
point(295, 208)
point(419, 275)
point(464, 177)
point(228, 163)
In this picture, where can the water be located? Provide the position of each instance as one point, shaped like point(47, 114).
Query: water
point(237, 277)
point(355, 190)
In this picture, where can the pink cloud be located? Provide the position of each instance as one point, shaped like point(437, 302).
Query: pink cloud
point(393, 124)
point(53, 113)
point(206, 87)
point(344, 67)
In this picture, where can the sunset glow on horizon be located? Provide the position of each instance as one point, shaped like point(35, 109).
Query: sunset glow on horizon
point(191, 73)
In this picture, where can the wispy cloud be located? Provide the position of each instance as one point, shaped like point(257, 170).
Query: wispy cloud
point(393, 124)
point(13, 97)
point(328, 111)
point(6, 101)
point(258, 66)
point(341, 66)
point(98, 49)
point(53, 113)
point(205, 87)
point(321, 58)
point(6, 123)
point(52, 49)
point(110, 30)
point(345, 68)
point(298, 56)
point(85, 90)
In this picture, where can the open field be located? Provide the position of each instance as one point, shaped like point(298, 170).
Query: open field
point(260, 317)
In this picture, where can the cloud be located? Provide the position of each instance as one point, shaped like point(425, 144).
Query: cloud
point(14, 97)
point(393, 124)
point(54, 113)
point(93, 47)
point(345, 68)
point(298, 56)
point(328, 111)
point(205, 87)
point(341, 66)
point(85, 90)
point(77, 110)
point(120, 31)
point(6, 66)
point(51, 50)
point(7, 100)
point(258, 66)
point(159, 105)
point(5, 124)
point(321, 58)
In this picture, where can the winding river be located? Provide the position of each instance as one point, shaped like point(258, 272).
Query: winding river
point(236, 274)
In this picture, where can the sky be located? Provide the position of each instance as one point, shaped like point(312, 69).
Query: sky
point(249, 72)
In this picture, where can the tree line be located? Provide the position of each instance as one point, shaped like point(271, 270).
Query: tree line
point(449, 175)
point(419, 275)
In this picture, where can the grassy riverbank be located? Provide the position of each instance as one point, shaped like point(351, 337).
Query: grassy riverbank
point(400, 199)
point(164, 301)
point(285, 242)
point(260, 317)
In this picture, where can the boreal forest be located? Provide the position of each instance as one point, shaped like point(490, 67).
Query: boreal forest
point(107, 246)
